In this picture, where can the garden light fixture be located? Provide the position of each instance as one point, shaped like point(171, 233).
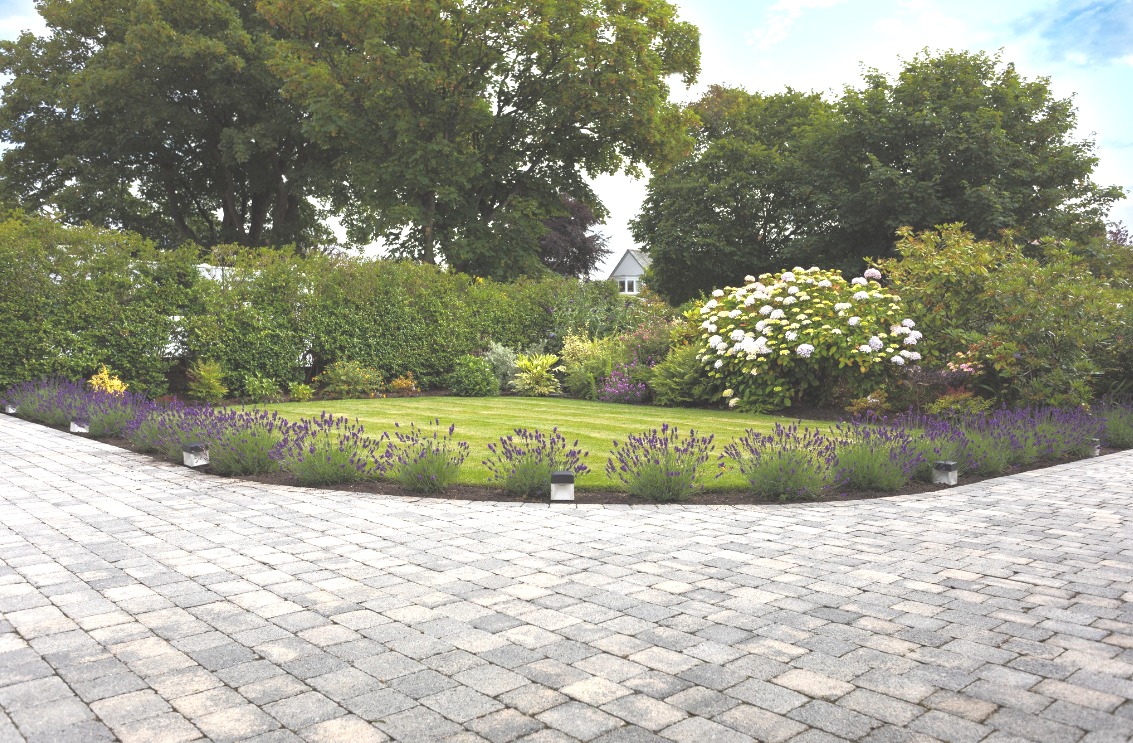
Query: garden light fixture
point(10, 409)
point(1095, 449)
point(562, 486)
point(945, 473)
point(195, 453)
point(80, 426)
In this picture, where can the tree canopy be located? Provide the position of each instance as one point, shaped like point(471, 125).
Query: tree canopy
point(462, 121)
point(571, 246)
point(954, 137)
point(162, 117)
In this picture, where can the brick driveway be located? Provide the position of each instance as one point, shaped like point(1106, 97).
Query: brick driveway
point(148, 603)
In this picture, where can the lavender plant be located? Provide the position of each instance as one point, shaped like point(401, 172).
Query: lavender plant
point(661, 465)
point(936, 439)
point(424, 463)
point(1118, 417)
point(787, 464)
point(111, 414)
point(328, 450)
point(50, 400)
point(243, 442)
point(876, 456)
point(523, 463)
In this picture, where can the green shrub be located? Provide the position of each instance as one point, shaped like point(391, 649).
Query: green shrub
point(404, 385)
point(206, 381)
point(473, 377)
point(958, 404)
point(680, 379)
point(423, 463)
point(261, 389)
point(301, 392)
point(536, 376)
point(349, 380)
point(586, 360)
point(1118, 423)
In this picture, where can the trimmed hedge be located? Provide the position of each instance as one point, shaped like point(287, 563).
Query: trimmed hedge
point(75, 298)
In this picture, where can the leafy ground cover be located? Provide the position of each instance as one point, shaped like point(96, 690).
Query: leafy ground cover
point(482, 420)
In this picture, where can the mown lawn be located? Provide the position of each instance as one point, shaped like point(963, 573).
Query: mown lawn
point(481, 421)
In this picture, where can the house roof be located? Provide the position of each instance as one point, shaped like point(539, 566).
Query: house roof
point(625, 267)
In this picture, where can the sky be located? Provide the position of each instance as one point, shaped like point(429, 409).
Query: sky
point(1085, 47)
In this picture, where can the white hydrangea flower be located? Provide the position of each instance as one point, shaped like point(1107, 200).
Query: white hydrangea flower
point(705, 324)
point(759, 326)
point(749, 279)
point(792, 290)
point(859, 281)
point(861, 295)
point(778, 314)
point(875, 343)
point(715, 341)
point(899, 330)
point(728, 392)
point(825, 283)
point(872, 273)
point(718, 293)
point(711, 304)
point(719, 363)
point(734, 314)
point(734, 401)
point(737, 335)
point(787, 276)
point(791, 335)
point(916, 334)
point(766, 309)
point(842, 306)
point(836, 331)
point(750, 300)
point(763, 350)
point(805, 350)
point(898, 360)
point(908, 323)
point(705, 310)
point(910, 340)
point(789, 300)
point(854, 320)
point(711, 328)
point(864, 348)
point(911, 355)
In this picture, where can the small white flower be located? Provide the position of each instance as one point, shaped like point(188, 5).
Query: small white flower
point(916, 335)
point(778, 314)
point(805, 350)
point(729, 392)
point(749, 279)
point(872, 273)
point(763, 350)
point(836, 331)
point(734, 314)
point(737, 335)
point(711, 328)
point(854, 320)
point(792, 290)
point(766, 309)
point(864, 348)
point(910, 340)
point(705, 310)
point(791, 335)
point(899, 330)
point(735, 400)
point(908, 323)
point(861, 295)
point(759, 326)
point(875, 343)
point(859, 281)
point(715, 341)
point(719, 363)
point(898, 360)
point(711, 304)
point(787, 276)
point(789, 300)
point(750, 300)
point(911, 355)
point(825, 283)
point(842, 306)
point(718, 293)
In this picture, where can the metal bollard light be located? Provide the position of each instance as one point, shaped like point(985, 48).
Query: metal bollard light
point(1096, 450)
point(195, 453)
point(945, 473)
point(10, 409)
point(80, 426)
point(562, 486)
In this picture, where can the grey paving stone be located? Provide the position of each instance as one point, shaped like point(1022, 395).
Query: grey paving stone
point(999, 612)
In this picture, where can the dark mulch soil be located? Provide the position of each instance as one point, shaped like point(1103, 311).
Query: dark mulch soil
point(595, 497)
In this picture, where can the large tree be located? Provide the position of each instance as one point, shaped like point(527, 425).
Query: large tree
point(462, 121)
point(787, 179)
point(159, 116)
point(571, 245)
point(741, 203)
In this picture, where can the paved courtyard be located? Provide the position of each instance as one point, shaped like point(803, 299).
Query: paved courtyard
point(148, 603)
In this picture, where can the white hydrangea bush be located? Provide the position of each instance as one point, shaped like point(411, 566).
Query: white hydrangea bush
point(778, 336)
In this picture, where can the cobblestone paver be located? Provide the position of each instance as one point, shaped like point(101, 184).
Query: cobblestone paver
point(148, 603)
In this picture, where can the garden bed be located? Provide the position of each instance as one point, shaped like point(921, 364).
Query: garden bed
point(593, 496)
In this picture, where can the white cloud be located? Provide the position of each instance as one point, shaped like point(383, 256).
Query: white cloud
point(780, 17)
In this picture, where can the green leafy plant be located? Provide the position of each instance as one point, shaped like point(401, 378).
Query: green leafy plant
point(502, 360)
point(959, 404)
point(300, 392)
point(404, 385)
point(876, 402)
point(206, 381)
point(586, 360)
point(349, 380)
point(473, 377)
point(261, 389)
point(536, 376)
point(680, 379)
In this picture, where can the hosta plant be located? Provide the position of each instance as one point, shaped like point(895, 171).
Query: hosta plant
point(800, 331)
point(536, 375)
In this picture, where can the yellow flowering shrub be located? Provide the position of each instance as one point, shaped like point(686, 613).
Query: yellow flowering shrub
point(779, 336)
point(104, 381)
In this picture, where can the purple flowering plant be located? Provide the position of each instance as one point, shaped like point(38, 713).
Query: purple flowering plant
point(619, 385)
point(328, 450)
point(422, 462)
point(790, 463)
point(522, 462)
point(662, 465)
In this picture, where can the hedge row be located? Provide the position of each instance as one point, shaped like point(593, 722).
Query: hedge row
point(75, 298)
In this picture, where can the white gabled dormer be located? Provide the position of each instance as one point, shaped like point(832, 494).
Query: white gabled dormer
point(629, 272)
